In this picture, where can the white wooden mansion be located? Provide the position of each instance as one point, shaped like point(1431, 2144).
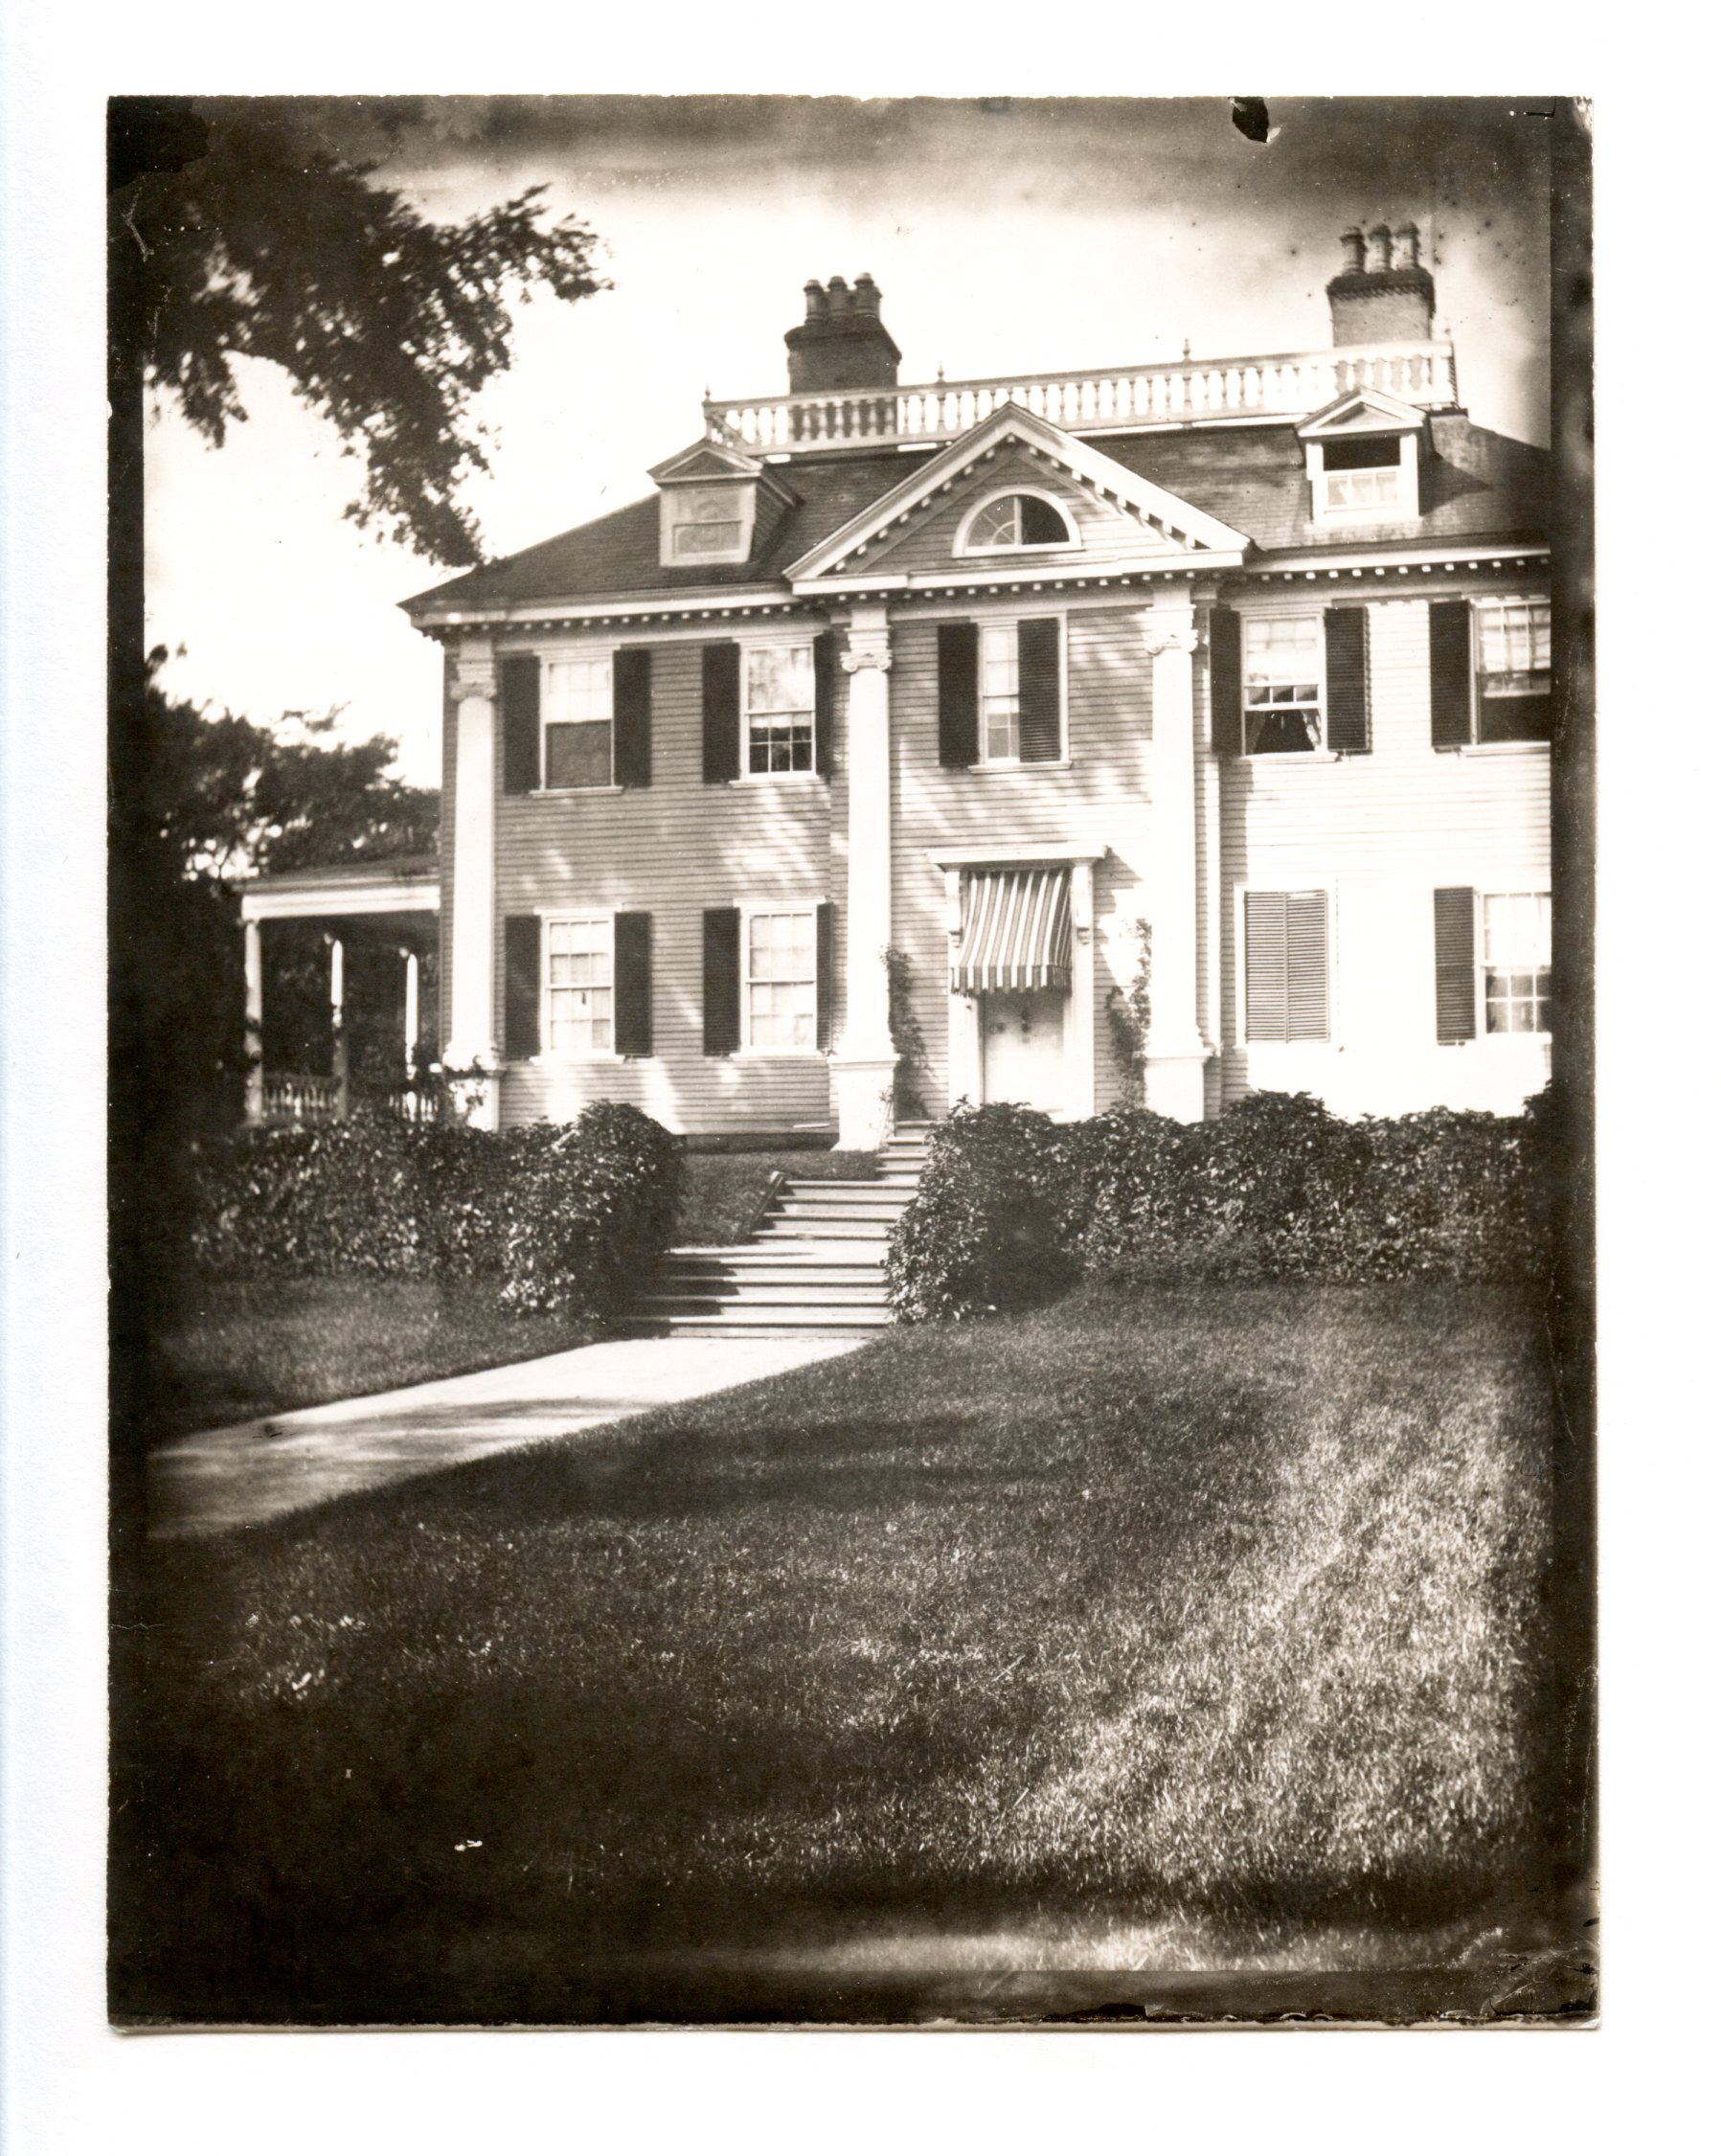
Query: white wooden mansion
point(1253, 651)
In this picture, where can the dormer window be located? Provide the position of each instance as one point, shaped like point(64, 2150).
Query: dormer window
point(716, 505)
point(1364, 460)
point(706, 522)
point(1011, 522)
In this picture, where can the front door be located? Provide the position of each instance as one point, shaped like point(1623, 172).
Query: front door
point(1022, 1047)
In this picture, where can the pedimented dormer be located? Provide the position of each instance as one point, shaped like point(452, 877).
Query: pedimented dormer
point(1364, 454)
point(718, 505)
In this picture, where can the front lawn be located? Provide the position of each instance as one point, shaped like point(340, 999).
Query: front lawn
point(1208, 1608)
point(243, 1348)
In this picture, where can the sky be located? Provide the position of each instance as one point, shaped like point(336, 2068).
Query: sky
point(1005, 235)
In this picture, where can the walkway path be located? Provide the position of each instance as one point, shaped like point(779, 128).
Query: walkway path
point(254, 1471)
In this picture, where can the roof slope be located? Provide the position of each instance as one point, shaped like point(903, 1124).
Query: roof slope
point(1476, 485)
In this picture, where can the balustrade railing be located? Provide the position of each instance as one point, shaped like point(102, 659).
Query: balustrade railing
point(1185, 392)
point(318, 1100)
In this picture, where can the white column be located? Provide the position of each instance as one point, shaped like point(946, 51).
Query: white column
point(337, 1023)
point(471, 946)
point(410, 1024)
point(864, 1066)
point(1079, 1049)
point(1177, 1054)
point(254, 1021)
point(961, 1051)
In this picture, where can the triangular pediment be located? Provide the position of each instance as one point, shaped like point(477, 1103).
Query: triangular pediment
point(1015, 448)
point(1361, 411)
point(706, 460)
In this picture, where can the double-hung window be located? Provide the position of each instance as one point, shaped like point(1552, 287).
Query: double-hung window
point(1512, 669)
point(577, 720)
point(781, 984)
point(706, 522)
point(1000, 695)
point(1517, 959)
point(1001, 692)
point(579, 985)
point(1282, 663)
point(780, 708)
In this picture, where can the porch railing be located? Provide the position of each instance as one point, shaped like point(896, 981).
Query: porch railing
point(291, 1099)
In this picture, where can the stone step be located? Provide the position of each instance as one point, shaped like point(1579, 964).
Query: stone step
point(823, 1227)
point(735, 1295)
point(772, 1268)
point(766, 1322)
point(810, 1186)
point(887, 1211)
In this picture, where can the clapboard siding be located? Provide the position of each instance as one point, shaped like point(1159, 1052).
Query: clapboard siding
point(670, 850)
point(928, 542)
point(1100, 799)
point(1381, 832)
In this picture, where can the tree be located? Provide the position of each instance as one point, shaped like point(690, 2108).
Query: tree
point(260, 239)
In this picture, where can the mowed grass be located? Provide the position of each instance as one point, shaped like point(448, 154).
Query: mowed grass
point(242, 1349)
point(1208, 1605)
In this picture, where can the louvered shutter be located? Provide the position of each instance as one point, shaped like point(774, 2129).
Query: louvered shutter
point(825, 697)
point(959, 695)
point(1449, 673)
point(1455, 964)
point(721, 672)
point(633, 984)
point(1305, 966)
point(522, 988)
point(1225, 679)
point(633, 716)
point(1038, 680)
point(826, 975)
point(722, 980)
point(521, 771)
point(1264, 1016)
point(1347, 680)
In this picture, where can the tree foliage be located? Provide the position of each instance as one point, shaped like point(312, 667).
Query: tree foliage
point(273, 245)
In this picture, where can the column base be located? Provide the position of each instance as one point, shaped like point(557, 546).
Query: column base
point(1175, 1085)
point(475, 1092)
point(865, 1087)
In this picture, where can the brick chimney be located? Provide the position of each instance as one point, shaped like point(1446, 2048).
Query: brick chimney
point(842, 344)
point(1383, 295)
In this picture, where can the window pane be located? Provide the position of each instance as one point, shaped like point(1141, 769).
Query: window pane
point(712, 505)
point(576, 690)
point(1041, 523)
point(576, 756)
point(780, 679)
point(997, 524)
point(708, 539)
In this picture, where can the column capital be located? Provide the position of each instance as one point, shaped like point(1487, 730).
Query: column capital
point(869, 646)
point(1169, 629)
point(475, 668)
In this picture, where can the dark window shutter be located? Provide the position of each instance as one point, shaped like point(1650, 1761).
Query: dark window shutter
point(723, 679)
point(520, 769)
point(827, 971)
point(1455, 964)
point(633, 984)
point(959, 693)
point(824, 697)
point(1449, 673)
point(1225, 679)
point(633, 717)
point(1038, 680)
point(722, 980)
point(1347, 680)
point(522, 990)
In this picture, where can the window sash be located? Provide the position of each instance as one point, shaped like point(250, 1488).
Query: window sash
point(579, 985)
point(778, 706)
point(1372, 487)
point(577, 715)
point(1517, 957)
point(782, 978)
point(1284, 670)
point(709, 522)
point(1000, 694)
point(1513, 646)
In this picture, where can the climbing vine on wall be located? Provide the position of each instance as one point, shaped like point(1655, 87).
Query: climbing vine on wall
point(906, 1037)
point(1129, 1012)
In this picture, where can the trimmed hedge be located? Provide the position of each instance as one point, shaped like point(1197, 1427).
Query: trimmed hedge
point(564, 1216)
point(1276, 1187)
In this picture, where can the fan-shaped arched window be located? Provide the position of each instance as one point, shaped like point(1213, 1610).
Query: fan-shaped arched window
point(1016, 520)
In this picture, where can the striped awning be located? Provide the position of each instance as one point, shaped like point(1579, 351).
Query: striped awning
point(1015, 931)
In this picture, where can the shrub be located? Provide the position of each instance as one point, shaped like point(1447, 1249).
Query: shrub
point(1276, 1187)
point(987, 1229)
point(565, 1216)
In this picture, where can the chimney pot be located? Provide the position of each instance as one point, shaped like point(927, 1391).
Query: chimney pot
point(815, 299)
point(841, 300)
point(842, 345)
point(865, 293)
point(1407, 247)
point(1380, 247)
point(1351, 240)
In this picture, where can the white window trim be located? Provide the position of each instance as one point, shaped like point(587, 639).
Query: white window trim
point(984, 765)
point(1404, 510)
point(963, 548)
point(1480, 894)
point(580, 655)
point(776, 639)
point(567, 1058)
point(747, 908)
point(1299, 609)
point(1285, 886)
